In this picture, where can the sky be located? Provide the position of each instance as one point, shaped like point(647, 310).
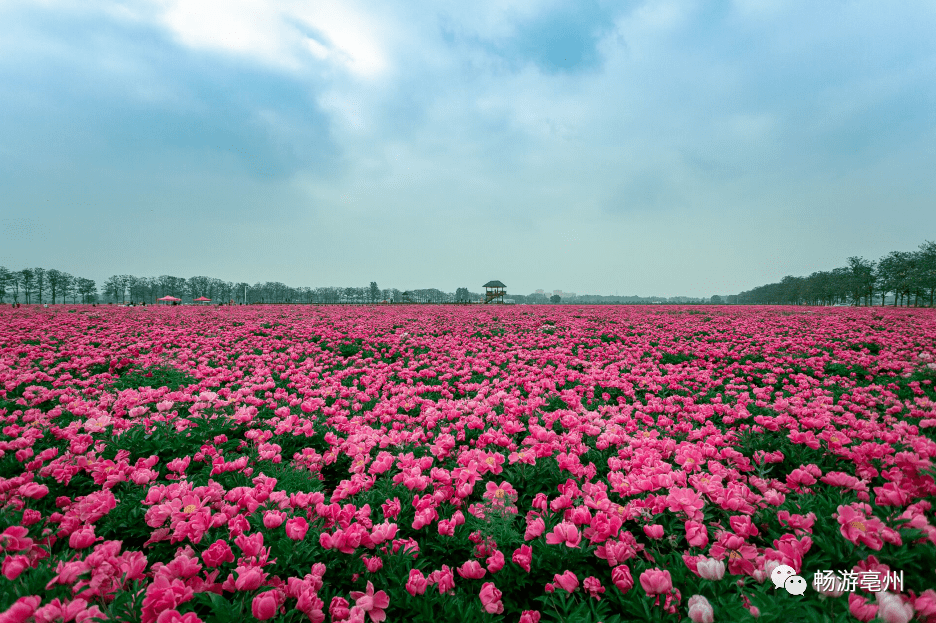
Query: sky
point(639, 148)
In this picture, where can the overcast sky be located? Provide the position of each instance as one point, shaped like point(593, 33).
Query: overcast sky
point(649, 148)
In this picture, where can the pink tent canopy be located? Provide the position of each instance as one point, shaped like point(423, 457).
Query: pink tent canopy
point(202, 299)
point(169, 299)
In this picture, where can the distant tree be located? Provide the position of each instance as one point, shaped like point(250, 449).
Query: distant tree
point(137, 288)
point(716, 300)
point(40, 277)
point(555, 298)
point(927, 268)
point(113, 288)
point(903, 274)
point(54, 279)
point(197, 287)
point(462, 296)
point(15, 284)
point(240, 289)
point(225, 291)
point(27, 279)
point(819, 288)
point(862, 279)
point(6, 280)
point(125, 281)
point(273, 292)
point(87, 289)
point(69, 287)
point(374, 292)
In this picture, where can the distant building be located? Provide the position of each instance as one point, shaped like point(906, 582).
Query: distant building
point(540, 291)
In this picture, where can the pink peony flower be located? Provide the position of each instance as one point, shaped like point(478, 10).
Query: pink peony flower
point(622, 579)
point(13, 566)
point(21, 610)
point(15, 538)
point(251, 545)
point(859, 529)
point(338, 609)
point(82, 538)
point(33, 490)
point(700, 610)
point(249, 578)
point(296, 528)
point(523, 556)
point(472, 570)
point(593, 587)
point(273, 519)
point(653, 531)
point(391, 508)
point(925, 603)
point(686, 500)
point(217, 554)
point(173, 616)
point(417, 583)
point(711, 569)
point(265, 605)
point(566, 533)
point(859, 607)
point(372, 603)
point(444, 579)
point(696, 534)
point(500, 495)
point(495, 562)
point(534, 529)
point(164, 594)
point(656, 581)
point(491, 599)
point(893, 609)
point(567, 581)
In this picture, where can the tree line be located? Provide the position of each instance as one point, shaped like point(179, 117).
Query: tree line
point(45, 285)
point(901, 278)
point(40, 285)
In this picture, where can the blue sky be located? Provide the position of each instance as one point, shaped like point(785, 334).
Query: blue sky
point(651, 148)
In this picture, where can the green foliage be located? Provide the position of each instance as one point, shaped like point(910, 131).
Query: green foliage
point(350, 349)
point(156, 377)
point(675, 358)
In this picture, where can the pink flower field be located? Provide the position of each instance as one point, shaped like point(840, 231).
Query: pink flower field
point(429, 464)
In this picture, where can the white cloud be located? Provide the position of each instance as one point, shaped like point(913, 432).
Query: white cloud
point(271, 32)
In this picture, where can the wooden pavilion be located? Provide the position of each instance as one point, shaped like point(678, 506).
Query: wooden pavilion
point(494, 292)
